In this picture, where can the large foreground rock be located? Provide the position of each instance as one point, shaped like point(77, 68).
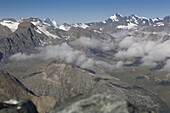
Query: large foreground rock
point(100, 103)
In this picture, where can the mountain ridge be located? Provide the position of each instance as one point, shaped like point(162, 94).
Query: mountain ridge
point(115, 18)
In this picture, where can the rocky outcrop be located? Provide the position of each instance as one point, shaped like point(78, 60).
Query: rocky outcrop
point(10, 87)
point(23, 40)
point(44, 103)
point(61, 80)
point(4, 31)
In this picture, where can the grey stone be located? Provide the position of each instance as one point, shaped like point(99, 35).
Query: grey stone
point(100, 103)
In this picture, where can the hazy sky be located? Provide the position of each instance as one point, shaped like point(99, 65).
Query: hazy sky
point(76, 11)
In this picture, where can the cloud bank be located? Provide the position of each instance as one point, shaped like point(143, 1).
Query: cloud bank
point(65, 53)
point(151, 49)
point(94, 43)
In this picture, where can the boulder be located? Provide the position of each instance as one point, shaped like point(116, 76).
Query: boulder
point(99, 103)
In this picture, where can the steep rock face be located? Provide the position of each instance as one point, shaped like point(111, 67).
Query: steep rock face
point(100, 103)
point(61, 80)
point(25, 39)
point(4, 31)
point(44, 103)
point(10, 87)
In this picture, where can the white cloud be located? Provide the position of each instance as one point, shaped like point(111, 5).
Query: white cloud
point(65, 53)
point(167, 65)
point(23, 56)
point(94, 43)
point(150, 50)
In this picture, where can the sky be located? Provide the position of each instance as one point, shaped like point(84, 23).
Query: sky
point(82, 11)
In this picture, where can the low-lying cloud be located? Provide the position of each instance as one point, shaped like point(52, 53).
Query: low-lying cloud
point(65, 53)
point(151, 50)
point(94, 43)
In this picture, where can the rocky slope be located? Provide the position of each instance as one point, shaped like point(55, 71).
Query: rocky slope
point(62, 80)
point(10, 88)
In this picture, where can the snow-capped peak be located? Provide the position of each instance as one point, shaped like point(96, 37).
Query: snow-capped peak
point(21, 19)
point(51, 22)
point(10, 23)
point(140, 17)
point(42, 28)
point(65, 27)
point(115, 17)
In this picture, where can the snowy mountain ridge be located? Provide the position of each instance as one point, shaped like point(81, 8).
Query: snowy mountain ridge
point(118, 21)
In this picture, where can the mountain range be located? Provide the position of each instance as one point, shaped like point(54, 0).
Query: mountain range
point(34, 32)
point(126, 56)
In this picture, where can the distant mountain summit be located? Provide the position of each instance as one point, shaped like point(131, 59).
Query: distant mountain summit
point(116, 21)
point(51, 22)
point(133, 19)
point(132, 22)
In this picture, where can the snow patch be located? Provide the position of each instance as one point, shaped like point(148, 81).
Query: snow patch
point(12, 101)
point(156, 19)
point(42, 43)
point(97, 31)
point(135, 20)
point(114, 18)
point(13, 26)
point(142, 17)
point(50, 22)
point(160, 24)
point(104, 21)
point(84, 26)
point(64, 27)
point(38, 31)
point(42, 28)
point(129, 26)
